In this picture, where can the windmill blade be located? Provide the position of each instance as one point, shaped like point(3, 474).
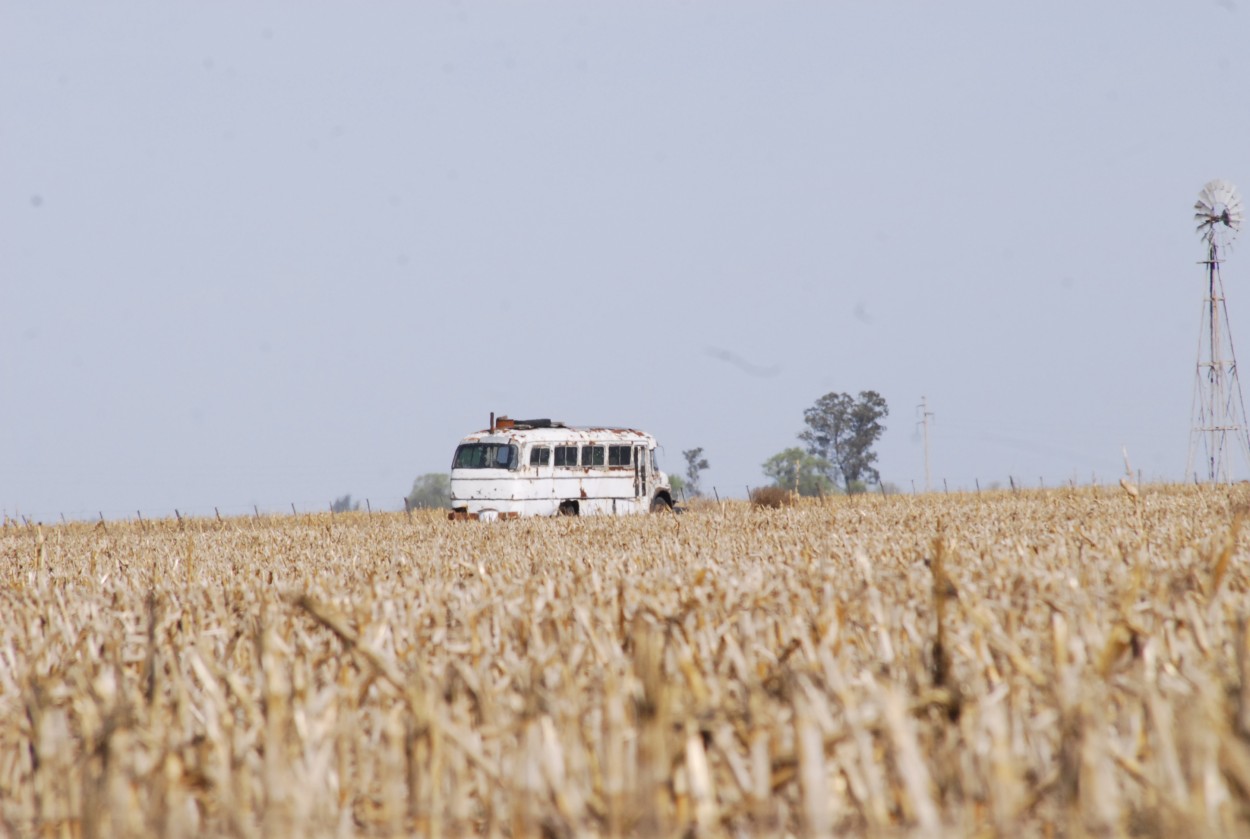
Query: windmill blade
point(1219, 212)
point(1235, 214)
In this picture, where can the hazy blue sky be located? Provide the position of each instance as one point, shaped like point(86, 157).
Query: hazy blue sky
point(272, 253)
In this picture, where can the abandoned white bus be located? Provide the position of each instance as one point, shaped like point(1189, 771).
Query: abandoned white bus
point(545, 468)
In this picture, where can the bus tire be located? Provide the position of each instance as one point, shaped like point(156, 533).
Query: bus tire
point(660, 504)
point(567, 508)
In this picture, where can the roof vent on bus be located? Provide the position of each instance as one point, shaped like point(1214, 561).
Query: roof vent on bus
point(539, 423)
point(504, 423)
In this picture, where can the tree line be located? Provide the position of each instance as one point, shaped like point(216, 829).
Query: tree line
point(837, 455)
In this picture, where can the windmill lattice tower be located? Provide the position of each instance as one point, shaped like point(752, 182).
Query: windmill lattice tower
point(1219, 411)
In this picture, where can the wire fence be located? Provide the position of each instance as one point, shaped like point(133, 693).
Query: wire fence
point(219, 513)
point(913, 487)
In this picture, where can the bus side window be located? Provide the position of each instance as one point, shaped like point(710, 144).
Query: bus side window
point(592, 455)
point(540, 456)
point(566, 455)
point(619, 455)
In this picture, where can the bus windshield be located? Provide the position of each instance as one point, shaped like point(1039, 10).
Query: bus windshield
point(485, 456)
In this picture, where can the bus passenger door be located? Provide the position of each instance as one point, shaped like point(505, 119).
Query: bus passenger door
point(641, 488)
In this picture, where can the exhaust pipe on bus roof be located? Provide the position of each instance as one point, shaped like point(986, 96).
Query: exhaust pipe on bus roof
point(502, 423)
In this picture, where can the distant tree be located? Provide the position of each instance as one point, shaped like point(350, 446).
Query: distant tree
point(798, 471)
point(695, 463)
point(430, 492)
point(842, 431)
point(344, 505)
point(676, 483)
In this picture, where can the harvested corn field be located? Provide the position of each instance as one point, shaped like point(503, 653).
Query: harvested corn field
point(1059, 662)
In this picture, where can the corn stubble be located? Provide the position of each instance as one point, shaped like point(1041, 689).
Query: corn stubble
point(1067, 662)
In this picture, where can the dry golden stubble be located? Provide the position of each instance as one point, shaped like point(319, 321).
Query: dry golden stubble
point(1063, 662)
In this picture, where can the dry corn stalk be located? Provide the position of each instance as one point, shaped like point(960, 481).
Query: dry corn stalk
point(1054, 669)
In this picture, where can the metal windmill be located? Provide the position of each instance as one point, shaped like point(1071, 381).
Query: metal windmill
point(1219, 412)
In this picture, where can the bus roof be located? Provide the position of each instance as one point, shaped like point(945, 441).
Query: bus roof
point(557, 433)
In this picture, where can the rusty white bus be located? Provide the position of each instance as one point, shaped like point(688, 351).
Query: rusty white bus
point(546, 468)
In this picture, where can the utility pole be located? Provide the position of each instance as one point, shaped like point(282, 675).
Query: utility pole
point(925, 414)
